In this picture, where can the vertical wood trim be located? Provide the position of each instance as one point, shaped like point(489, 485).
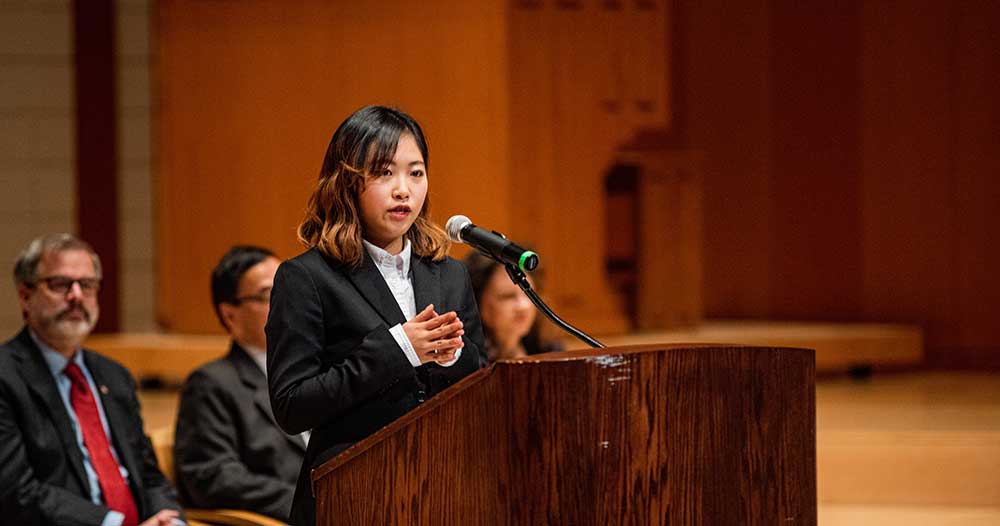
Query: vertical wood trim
point(95, 74)
point(816, 112)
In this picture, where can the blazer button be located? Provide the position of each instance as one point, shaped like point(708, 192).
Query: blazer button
point(421, 396)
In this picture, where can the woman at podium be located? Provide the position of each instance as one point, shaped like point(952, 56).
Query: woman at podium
point(373, 318)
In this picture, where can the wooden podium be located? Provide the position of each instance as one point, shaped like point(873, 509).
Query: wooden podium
point(669, 435)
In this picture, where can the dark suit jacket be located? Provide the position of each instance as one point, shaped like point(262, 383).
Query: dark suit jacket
point(333, 366)
point(42, 479)
point(228, 451)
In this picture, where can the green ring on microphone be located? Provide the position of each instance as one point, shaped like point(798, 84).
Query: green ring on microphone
point(524, 257)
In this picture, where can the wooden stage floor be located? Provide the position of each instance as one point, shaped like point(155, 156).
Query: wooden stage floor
point(895, 449)
point(913, 448)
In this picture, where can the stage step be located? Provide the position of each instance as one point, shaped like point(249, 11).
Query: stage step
point(839, 346)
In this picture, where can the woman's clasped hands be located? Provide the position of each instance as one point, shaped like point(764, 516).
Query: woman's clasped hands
point(435, 337)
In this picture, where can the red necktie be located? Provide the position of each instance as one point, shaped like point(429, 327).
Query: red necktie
point(117, 494)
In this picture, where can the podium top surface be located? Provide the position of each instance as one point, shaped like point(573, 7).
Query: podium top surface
point(607, 360)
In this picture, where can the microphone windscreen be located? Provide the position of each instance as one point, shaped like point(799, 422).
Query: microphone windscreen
point(454, 227)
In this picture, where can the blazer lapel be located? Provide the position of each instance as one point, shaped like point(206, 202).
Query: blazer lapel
point(255, 380)
point(426, 285)
point(39, 379)
point(119, 422)
point(372, 286)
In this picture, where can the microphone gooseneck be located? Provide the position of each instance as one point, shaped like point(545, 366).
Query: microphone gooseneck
point(515, 259)
point(521, 281)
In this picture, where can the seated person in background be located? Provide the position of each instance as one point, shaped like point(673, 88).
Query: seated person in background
point(510, 322)
point(228, 451)
point(72, 447)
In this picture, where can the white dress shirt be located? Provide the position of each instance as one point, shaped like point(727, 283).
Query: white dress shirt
point(395, 270)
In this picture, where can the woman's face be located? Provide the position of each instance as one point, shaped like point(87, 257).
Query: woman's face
point(505, 309)
point(392, 197)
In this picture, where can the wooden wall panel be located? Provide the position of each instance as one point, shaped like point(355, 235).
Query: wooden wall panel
point(816, 173)
point(907, 183)
point(574, 104)
point(250, 93)
point(586, 138)
point(976, 170)
point(725, 52)
point(850, 163)
point(848, 150)
point(533, 160)
point(525, 104)
point(930, 164)
point(96, 102)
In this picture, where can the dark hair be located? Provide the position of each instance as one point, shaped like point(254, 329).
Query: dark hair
point(481, 269)
point(228, 272)
point(361, 146)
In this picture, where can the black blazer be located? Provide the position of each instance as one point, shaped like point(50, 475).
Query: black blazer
point(42, 479)
point(228, 451)
point(333, 366)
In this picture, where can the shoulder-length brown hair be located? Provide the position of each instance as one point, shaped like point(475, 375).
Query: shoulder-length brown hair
point(362, 145)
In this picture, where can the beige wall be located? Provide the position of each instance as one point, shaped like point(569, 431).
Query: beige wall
point(136, 31)
point(36, 133)
point(37, 160)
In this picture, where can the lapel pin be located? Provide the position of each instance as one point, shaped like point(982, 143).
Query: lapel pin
point(103, 389)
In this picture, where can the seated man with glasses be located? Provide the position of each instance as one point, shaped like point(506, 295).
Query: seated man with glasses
point(72, 446)
point(228, 451)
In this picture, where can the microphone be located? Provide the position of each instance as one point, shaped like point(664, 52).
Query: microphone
point(493, 244)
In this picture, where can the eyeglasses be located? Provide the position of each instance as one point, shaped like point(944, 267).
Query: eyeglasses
point(62, 284)
point(263, 296)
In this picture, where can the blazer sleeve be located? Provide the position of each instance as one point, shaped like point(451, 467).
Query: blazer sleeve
point(305, 393)
point(23, 498)
point(207, 456)
point(472, 357)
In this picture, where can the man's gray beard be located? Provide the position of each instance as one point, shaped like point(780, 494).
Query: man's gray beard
point(71, 330)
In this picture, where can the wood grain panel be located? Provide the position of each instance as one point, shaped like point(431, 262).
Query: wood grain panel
point(587, 64)
point(668, 259)
point(976, 191)
point(849, 159)
point(96, 134)
point(817, 160)
point(929, 133)
point(250, 94)
point(682, 435)
point(725, 52)
point(905, 65)
point(846, 158)
point(524, 104)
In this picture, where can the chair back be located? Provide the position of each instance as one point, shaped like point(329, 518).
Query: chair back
point(163, 445)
